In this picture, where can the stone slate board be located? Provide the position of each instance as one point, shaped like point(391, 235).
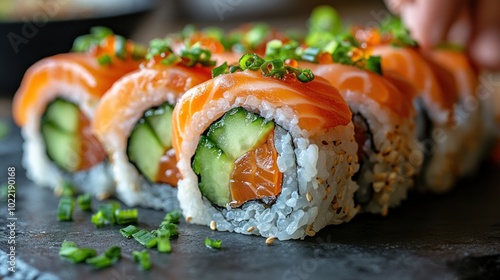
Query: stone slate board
point(428, 237)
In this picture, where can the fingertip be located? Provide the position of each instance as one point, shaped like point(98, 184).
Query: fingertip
point(485, 49)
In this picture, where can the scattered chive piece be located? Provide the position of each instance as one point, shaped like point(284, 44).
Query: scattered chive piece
point(325, 19)
point(70, 252)
point(257, 35)
point(65, 188)
point(111, 256)
point(250, 61)
point(4, 129)
point(172, 217)
point(65, 209)
point(104, 59)
point(374, 64)
point(108, 211)
point(170, 228)
point(120, 47)
point(219, 70)
point(400, 35)
point(145, 238)
point(84, 202)
point(99, 220)
point(127, 216)
point(100, 32)
point(214, 244)
point(163, 236)
point(305, 76)
point(100, 261)
point(142, 258)
point(129, 231)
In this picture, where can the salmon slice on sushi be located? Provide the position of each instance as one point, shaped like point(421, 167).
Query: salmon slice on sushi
point(55, 106)
point(264, 150)
point(134, 121)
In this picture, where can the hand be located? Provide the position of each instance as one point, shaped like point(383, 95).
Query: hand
point(473, 23)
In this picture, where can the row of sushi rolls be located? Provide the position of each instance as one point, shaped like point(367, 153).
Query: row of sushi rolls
point(258, 131)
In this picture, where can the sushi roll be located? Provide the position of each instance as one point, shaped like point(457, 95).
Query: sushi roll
point(133, 122)
point(55, 105)
point(384, 124)
point(262, 152)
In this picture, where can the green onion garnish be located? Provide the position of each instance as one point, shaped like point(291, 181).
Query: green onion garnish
point(65, 188)
point(99, 220)
point(84, 202)
point(65, 209)
point(128, 231)
point(171, 59)
point(120, 47)
point(250, 61)
point(374, 64)
point(214, 244)
point(274, 68)
point(104, 60)
point(257, 35)
point(325, 19)
point(145, 238)
point(306, 76)
point(100, 32)
point(163, 236)
point(172, 217)
point(86, 42)
point(219, 70)
point(127, 216)
point(400, 35)
point(108, 211)
point(170, 228)
point(69, 251)
point(111, 256)
point(142, 258)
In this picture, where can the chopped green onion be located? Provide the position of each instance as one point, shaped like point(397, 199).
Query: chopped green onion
point(108, 211)
point(188, 31)
point(100, 32)
point(145, 238)
point(138, 52)
point(395, 27)
point(113, 252)
point(100, 261)
point(170, 228)
point(65, 188)
point(127, 216)
point(257, 35)
point(274, 68)
point(306, 76)
point(99, 220)
point(157, 47)
point(69, 251)
point(120, 47)
point(214, 244)
point(374, 64)
point(234, 68)
point(4, 129)
point(172, 217)
point(163, 236)
point(84, 202)
point(219, 70)
point(311, 54)
point(326, 19)
point(104, 60)
point(65, 209)
point(250, 61)
point(142, 258)
point(128, 231)
point(171, 59)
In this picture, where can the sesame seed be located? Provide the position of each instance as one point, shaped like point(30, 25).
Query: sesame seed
point(380, 176)
point(213, 225)
point(349, 159)
point(377, 186)
point(188, 219)
point(328, 189)
point(250, 229)
point(270, 240)
point(309, 197)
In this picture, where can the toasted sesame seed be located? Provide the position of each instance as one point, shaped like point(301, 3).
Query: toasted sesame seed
point(349, 159)
point(379, 176)
point(250, 229)
point(325, 197)
point(213, 225)
point(328, 189)
point(103, 196)
point(270, 240)
point(320, 181)
point(341, 158)
point(386, 151)
point(377, 186)
point(337, 142)
point(309, 197)
point(333, 171)
point(188, 219)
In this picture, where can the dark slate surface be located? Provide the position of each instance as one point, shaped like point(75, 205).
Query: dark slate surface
point(428, 237)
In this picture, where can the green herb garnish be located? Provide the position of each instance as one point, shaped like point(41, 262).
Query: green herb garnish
point(142, 258)
point(163, 236)
point(65, 209)
point(129, 230)
point(219, 70)
point(70, 252)
point(145, 238)
point(127, 216)
point(170, 228)
point(214, 244)
point(84, 202)
point(110, 256)
point(65, 188)
point(400, 35)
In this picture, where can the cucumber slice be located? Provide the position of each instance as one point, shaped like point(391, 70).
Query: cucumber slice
point(63, 114)
point(239, 131)
point(160, 120)
point(62, 147)
point(145, 150)
point(214, 168)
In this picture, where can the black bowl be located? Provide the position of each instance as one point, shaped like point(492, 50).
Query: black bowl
point(23, 43)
